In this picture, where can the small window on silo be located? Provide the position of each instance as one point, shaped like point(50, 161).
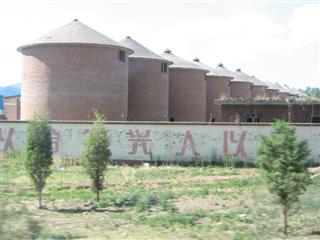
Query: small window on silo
point(163, 67)
point(122, 56)
point(171, 119)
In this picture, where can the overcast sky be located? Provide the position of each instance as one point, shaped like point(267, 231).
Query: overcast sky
point(273, 40)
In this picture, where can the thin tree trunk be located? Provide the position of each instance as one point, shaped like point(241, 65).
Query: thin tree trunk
point(40, 199)
point(285, 220)
point(98, 198)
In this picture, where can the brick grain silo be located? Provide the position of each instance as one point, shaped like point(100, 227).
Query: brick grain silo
point(187, 90)
point(240, 86)
point(283, 93)
point(258, 88)
point(148, 96)
point(292, 92)
point(72, 71)
point(271, 90)
point(217, 87)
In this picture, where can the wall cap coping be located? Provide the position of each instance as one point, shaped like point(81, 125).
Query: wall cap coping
point(165, 123)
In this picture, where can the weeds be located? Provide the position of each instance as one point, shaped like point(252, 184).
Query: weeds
point(143, 202)
point(228, 161)
point(143, 206)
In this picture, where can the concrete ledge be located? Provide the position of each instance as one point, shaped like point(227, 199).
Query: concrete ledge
point(166, 123)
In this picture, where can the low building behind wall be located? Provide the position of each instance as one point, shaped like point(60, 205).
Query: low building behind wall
point(305, 113)
point(253, 113)
point(269, 111)
point(12, 107)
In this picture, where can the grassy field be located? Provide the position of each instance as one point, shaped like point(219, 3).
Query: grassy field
point(167, 202)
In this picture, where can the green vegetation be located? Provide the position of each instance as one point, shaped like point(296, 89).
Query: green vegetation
point(166, 202)
point(283, 158)
point(38, 155)
point(313, 92)
point(96, 154)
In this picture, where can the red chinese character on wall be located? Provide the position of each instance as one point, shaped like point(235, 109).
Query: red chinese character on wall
point(55, 138)
point(240, 151)
point(139, 139)
point(85, 131)
point(188, 140)
point(8, 143)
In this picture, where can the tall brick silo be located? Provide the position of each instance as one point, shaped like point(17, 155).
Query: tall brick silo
point(72, 71)
point(217, 86)
point(271, 90)
point(148, 97)
point(292, 92)
point(187, 90)
point(240, 86)
point(258, 88)
point(283, 93)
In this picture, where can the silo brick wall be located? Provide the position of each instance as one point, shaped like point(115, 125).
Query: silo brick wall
point(148, 97)
point(240, 89)
point(271, 93)
point(282, 95)
point(216, 87)
point(187, 95)
point(70, 82)
point(258, 91)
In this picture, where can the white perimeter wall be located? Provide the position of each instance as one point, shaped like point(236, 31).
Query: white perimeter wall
point(140, 141)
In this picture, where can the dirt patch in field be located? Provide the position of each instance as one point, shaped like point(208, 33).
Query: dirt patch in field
point(209, 203)
point(154, 183)
point(190, 180)
point(315, 172)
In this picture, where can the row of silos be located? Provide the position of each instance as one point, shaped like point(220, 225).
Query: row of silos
point(74, 70)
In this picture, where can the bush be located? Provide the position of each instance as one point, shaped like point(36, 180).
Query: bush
point(282, 156)
point(96, 154)
point(38, 155)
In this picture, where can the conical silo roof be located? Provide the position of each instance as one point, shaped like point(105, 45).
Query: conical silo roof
point(139, 51)
point(291, 90)
point(180, 62)
point(212, 71)
point(301, 92)
point(74, 33)
point(281, 88)
point(237, 76)
point(271, 85)
point(258, 82)
point(251, 79)
point(221, 70)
